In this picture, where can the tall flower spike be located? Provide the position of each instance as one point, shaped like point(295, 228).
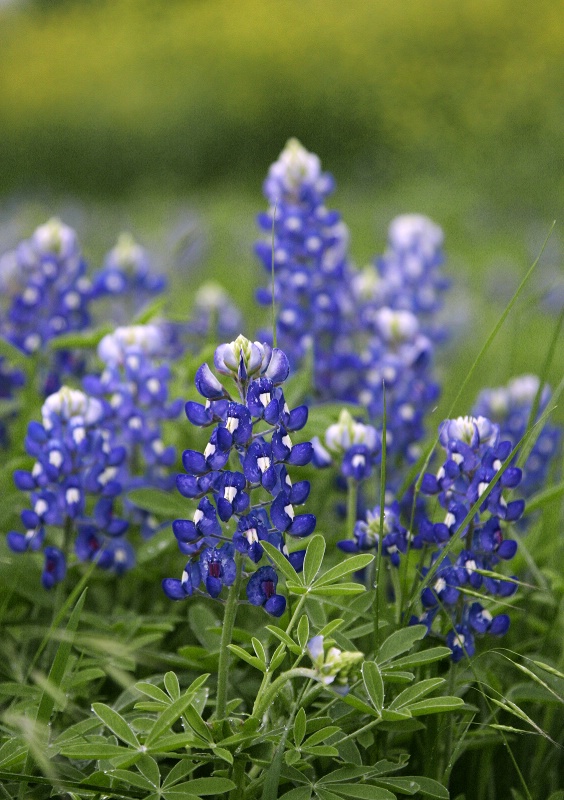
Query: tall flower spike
point(474, 456)
point(241, 479)
point(76, 469)
point(127, 274)
point(48, 294)
point(510, 407)
point(134, 384)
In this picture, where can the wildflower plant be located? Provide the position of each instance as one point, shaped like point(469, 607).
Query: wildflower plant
point(314, 650)
point(475, 456)
point(73, 488)
point(244, 469)
point(134, 386)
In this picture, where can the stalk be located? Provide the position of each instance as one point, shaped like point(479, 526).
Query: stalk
point(226, 634)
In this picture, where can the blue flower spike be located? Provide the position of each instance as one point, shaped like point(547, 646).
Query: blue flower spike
point(241, 478)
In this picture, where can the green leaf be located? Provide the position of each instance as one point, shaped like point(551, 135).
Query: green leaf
point(338, 590)
point(325, 794)
point(172, 686)
point(205, 786)
point(175, 741)
point(153, 691)
point(411, 784)
point(321, 735)
point(300, 793)
point(133, 778)
point(391, 715)
point(373, 684)
point(92, 751)
point(116, 723)
point(283, 636)
point(168, 717)
point(352, 564)
point(179, 771)
point(165, 505)
point(150, 311)
point(150, 769)
point(302, 631)
point(313, 558)
point(435, 705)
point(363, 791)
point(321, 750)
point(331, 626)
point(345, 774)
point(259, 649)
point(299, 727)
point(422, 657)
point(80, 339)
point(197, 724)
point(402, 785)
point(281, 563)
point(277, 657)
point(244, 656)
point(355, 702)
point(412, 693)
point(399, 642)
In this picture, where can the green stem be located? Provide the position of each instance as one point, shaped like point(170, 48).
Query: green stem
point(238, 778)
point(352, 501)
point(267, 677)
point(226, 634)
point(267, 697)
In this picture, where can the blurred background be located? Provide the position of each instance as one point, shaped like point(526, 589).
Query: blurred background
point(162, 116)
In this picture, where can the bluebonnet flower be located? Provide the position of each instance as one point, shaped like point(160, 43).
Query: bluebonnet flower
point(334, 667)
point(366, 534)
point(367, 329)
point(241, 479)
point(510, 407)
point(214, 315)
point(134, 383)
point(410, 270)
point(474, 456)
point(48, 294)
point(355, 444)
point(75, 470)
point(311, 271)
point(126, 274)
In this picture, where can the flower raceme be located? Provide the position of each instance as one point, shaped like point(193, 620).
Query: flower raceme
point(135, 385)
point(241, 481)
point(76, 462)
point(475, 455)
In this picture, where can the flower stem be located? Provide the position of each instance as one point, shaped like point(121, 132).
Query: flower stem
point(352, 500)
point(267, 697)
point(226, 634)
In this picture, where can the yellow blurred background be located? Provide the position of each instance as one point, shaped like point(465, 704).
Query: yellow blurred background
point(107, 97)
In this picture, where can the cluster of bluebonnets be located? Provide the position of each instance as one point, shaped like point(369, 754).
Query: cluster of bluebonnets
point(253, 423)
point(366, 337)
